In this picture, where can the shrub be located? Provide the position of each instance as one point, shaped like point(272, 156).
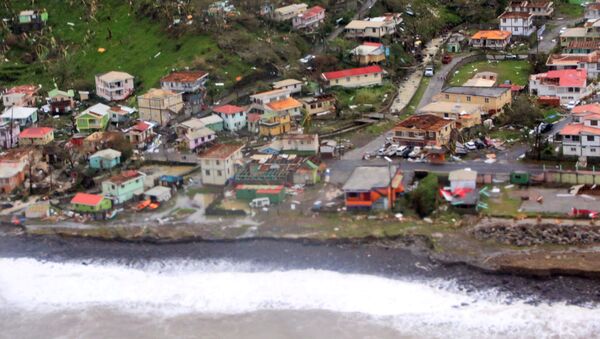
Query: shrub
point(424, 197)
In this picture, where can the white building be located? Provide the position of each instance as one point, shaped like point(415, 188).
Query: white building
point(518, 23)
point(292, 85)
point(234, 117)
point(588, 61)
point(219, 163)
point(568, 84)
point(288, 12)
point(539, 8)
point(582, 137)
point(373, 28)
point(309, 19)
point(114, 86)
point(592, 11)
point(259, 101)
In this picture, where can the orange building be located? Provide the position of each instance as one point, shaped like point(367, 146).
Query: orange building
point(373, 188)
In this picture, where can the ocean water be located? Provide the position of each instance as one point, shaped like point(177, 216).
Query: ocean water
point(224, 299)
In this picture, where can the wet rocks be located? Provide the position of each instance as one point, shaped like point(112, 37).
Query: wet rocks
point(528, 234)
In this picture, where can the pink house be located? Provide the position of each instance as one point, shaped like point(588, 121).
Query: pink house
point(199, 137)
point(310, 19)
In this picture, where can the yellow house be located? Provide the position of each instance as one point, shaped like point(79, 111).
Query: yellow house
point(36, 136)
point(423, 130)
point(271, 125)
point(465, 115)
point(492, 99)
point(319, 104)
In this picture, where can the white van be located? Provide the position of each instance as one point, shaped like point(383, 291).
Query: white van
point(260, 202)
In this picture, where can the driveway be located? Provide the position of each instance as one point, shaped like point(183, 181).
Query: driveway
point(547, 43)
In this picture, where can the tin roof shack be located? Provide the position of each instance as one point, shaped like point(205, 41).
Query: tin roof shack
point(268, 169)
point(23, 96)
point(192, 86)
point(61, 101)
point(219, 163)
point(175, 181)
point(105, 159)
point(158, 194)
point(141, 134)
point(329, 149)
point(275, 193)
point(30, 20)
point(120, 113)
point(372, 188)
point(124, 186)
point(90, 203)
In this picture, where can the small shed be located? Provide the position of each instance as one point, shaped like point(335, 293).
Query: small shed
point(519, 178)
point(171, 181)
point(275, 193)
point(158, 194)
point(465, 178)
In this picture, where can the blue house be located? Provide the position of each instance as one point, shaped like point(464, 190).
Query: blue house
point(105, 159)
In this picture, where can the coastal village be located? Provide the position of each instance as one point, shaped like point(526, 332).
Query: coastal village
point(496, 120)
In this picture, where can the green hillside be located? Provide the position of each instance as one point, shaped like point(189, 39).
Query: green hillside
point(67, 51)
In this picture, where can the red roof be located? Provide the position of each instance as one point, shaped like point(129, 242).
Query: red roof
point(374, 44)
point(312, 11)
point(513, 88)
point(352, 72)
point(87, 199)
point(35, 132)
point(252, 117)
point(591, 108)
point(579, 129)
point(141, 126)
point(228, 109)
point(26, 89)
point(569, 77)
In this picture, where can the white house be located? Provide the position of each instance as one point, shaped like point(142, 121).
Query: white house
point(464, 178)
point(259, 101)
point(292, 85)
point(373, 28)
point(219, 163)
point(539, 8)
point(24, 116)
point(518, 23)
point(568, 84)
point(588, 61)
point(581, 138)
point(234, 117)
point(114, 86)
point(309, 19)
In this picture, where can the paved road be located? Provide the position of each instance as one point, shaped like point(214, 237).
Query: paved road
point(550, 36)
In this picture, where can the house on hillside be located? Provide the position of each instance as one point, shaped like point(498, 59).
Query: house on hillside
point(61, 101)
point(141, 134)
point(517, 23)
point(292, 85)
point(492, 99)
point(260, 100)
point(301, 144)
point(319, 104)
point(288, 106)
point(23, 96)
point(567, 85)
point(253, 123)
point(286, 13)
point(123, 186)
point(9, 134)
point(213, 121)
point(373, 28)
point(423, 130)
point(120, 114)
point(581, 138)
point(354, 77)
point(199, 137)
point(234, 117)
point(465, 115)
point(105, 159)
point(589, 62)
point(539, 8)
point(271, 125)
point(23, 116)
point(491, 39)
point(37, 136)
point(310, 19)
point(160, 106)
point(592, 11)
point(114, 85)
point(368, 53)
point(94, 118)
point(192, 86)
point(11, 177)
point(219, 163)
point(90, 203)
point(372, 188)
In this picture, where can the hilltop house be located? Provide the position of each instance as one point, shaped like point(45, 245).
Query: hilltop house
point(319, 104)
point(492, 99)
point(491, 39)
point(301, 144)
point(309, 19)
point(592, 11)
point(373, 188)
point(9, 134)
point(253, 122)
point(105, 159)
point(465, 115)
point(199, 137)
point(368, 53)
point(123, 186)
point(286, 13)
point(219, 163)
point(141, 134)
point(288, 106)
point(581, 138)
point(589, 32)
point(354, 77)
point(94, 118)
point(539, 8)
point(120, 114)
point(260, 100)
point(292, 85)
point(23, 116)
point(90, 203)
point(271, 125)
point(589, 62)
point(517, 23)
point(38, 136)
point(192, 86)
point(567, 85)
point(234, 117)
point(423, 130)
point(114, 86)
point(24, 95)
point(61, 101)
point(160, 105)
point(11, 177)
point(373, 28)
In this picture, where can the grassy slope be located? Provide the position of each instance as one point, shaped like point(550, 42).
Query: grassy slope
point(132, 48)
point(514, 70)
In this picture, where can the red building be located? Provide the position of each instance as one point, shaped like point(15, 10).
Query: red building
point(373, 188)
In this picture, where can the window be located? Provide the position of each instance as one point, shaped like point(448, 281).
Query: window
point(219, 173)
point(447, 96)
point(218, 162)
point(487, 100)
point(468, 98)
point(575, 138)
point(593, 150)
point(594, 122)
point(590, 138)
point(207, 172)
point(573, 149)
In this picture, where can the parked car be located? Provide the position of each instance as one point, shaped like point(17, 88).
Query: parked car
point(415, 152)
point(446, 59)
point(571, 104)
point(400, 150)
point(406, 152)
point(471, 146)
point(429, 71)
point(260, 202)
point(479, 144)
point(381, 151)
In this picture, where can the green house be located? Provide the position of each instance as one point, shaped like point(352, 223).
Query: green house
point(90, 203)
point(26, 17)
point(124, 186)
point(93, 119)
point(519, 178)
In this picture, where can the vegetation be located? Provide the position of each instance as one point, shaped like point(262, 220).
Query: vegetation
point(516, 71)
point(413, 104)
point(424, 197)
point(522, 113)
